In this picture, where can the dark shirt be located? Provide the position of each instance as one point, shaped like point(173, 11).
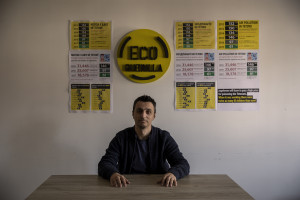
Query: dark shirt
point(141, 158)
point(164, 155)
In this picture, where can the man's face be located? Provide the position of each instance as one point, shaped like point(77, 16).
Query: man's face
point(143, 114)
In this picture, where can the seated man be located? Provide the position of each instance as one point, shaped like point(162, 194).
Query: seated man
point(143, 149)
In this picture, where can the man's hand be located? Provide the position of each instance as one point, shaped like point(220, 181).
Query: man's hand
point(118, 180)
point(168, 180)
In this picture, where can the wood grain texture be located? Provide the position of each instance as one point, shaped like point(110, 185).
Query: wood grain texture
point(142, 187)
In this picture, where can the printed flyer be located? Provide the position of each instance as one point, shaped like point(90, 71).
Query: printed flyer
point(195, 66)
point(90, 67)
point(238, 34)
point(238, 80)
point(238, 64)
point(86, 35)
point(195, 35)
point(226, 78)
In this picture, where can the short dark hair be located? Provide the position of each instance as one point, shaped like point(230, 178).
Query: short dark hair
point(145, 98)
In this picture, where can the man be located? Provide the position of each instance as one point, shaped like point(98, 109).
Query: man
point(143, 149)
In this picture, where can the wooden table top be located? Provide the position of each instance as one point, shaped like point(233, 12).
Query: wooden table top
point(142, 187)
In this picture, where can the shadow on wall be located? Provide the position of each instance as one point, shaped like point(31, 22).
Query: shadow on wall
point(34, 152)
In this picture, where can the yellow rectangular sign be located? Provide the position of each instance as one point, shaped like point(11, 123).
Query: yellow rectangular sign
point(100, 97)
point(90, 35)
point(206, 95)
point(238, 34)
point(195, 35)
point(185, 95)
point(80, 97)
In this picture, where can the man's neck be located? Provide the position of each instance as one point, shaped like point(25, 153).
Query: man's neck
point(142, 133)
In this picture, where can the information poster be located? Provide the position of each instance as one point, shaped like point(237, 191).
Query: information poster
point(195, 67)
point(90, 67)
point(206, 95)
point(185, 95)
point(238, 34)
point(238, 80)
point(226, 78)
point(80, 97)
point(87, 35)
point(100, 97)
point(238, 64)
point(195, 35)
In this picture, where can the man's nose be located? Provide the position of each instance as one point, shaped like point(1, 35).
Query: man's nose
point(144, 114)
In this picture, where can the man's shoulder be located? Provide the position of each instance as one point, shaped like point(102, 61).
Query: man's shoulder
point(125, 132)
point(160, 132)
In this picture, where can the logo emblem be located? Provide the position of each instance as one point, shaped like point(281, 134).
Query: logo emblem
point(143, 56)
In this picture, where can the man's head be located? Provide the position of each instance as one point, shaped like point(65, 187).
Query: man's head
point(144, 98)
point(143, 112)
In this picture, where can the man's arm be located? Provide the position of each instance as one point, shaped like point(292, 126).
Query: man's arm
point(179, 165)
point(108, 163)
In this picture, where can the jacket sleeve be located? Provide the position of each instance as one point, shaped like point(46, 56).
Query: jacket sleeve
point(179, 166)
point(109, 162)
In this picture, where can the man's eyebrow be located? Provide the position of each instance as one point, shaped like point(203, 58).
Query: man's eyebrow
point(144, 109)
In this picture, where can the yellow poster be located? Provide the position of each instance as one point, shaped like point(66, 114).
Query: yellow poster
point(195, 35)
point(185, 95)
point(238, 34)
point(206, 95)
point(90, 35)
point(100, 97)
point(80, 97)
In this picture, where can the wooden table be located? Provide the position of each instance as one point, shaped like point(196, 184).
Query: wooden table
point(142, 187)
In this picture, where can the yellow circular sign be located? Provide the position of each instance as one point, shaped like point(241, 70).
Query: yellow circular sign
point(143, 56)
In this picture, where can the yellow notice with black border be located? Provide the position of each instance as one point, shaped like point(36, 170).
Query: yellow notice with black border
point(80, 97)
point(86, 35)
point(185, 95)
point(238, 34)
point(195, 35)
point(100, 97)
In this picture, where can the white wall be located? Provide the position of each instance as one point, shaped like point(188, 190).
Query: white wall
point(38, 137)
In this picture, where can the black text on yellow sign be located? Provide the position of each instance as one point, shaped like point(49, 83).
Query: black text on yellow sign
point(185, 95)
point(80, 96)
point(143, 56)
point(100, 97)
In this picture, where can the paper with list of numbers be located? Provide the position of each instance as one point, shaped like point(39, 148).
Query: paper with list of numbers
point(195, 72)
point(216, 65)
point(238, 64)
point(238, 34)
point(90, 66)
point(86, 35)
point(238, 78)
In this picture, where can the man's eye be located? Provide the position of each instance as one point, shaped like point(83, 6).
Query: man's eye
point(139, 111)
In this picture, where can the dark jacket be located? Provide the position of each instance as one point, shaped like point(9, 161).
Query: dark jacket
point(162, 148)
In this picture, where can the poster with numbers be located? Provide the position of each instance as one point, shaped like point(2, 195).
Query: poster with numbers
point(195, 67)
point(238, 64)
point(216, 68)
point(87, 35)
point(238, 34)
point(90, 66)
point(238, 78)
